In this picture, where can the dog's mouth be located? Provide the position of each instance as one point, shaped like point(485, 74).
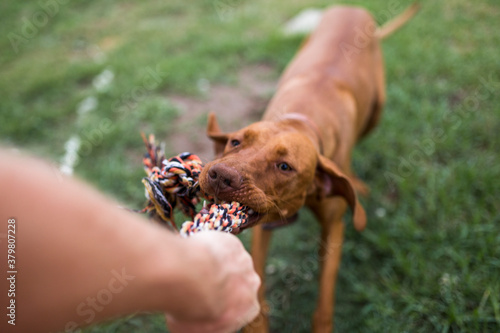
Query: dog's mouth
point(253, 217)
point(250, 216)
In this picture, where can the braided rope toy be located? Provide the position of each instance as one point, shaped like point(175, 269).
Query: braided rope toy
point(175, 181)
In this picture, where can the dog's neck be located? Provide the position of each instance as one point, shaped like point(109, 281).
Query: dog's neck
point(299, 101)
point(304, 124)
point(311, 125)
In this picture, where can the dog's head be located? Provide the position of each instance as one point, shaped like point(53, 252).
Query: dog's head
point(272, 169)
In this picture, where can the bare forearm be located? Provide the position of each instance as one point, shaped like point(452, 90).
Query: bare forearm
point(80, 257)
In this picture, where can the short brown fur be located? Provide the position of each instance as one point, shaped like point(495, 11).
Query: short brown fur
point(326, 101)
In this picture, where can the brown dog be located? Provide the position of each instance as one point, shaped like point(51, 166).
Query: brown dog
point(329, 97)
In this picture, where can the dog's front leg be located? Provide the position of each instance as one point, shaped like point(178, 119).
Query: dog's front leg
point(329, 214)
point(260, 246)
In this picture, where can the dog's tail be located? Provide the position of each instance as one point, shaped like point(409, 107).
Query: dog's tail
point(397, 22)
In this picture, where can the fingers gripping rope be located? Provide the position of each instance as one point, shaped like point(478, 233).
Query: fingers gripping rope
point(174, 181)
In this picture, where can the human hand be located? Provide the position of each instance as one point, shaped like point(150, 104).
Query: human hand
point(224, 286)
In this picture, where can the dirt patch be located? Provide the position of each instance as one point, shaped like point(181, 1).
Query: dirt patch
point(235, 106)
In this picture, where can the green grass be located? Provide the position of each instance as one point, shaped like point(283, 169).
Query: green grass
point(429, 259)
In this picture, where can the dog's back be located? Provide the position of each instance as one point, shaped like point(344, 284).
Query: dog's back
point(343, 54)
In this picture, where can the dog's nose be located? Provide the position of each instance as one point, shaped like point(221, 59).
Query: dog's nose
point(224, 178)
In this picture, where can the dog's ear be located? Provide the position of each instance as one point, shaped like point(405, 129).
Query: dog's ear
point(216, 135)
point(332, 182)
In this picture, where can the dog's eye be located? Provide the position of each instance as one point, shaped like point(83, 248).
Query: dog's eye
point(284, 166)
point(235, 143)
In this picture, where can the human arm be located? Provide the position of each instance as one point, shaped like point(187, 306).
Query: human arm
point(81, 259)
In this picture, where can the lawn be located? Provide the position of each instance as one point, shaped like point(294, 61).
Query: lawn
point(429, 260)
